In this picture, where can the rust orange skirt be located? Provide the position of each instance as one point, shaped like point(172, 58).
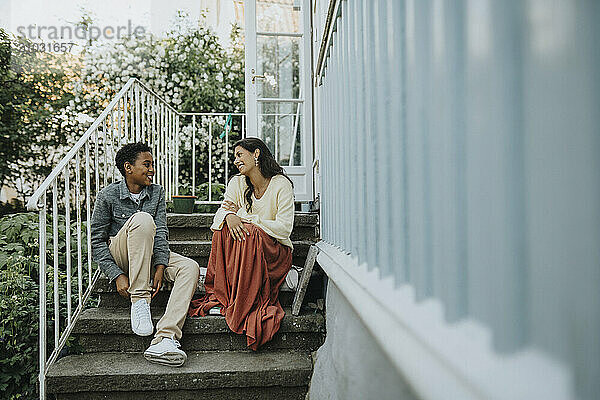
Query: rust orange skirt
point(244, 278)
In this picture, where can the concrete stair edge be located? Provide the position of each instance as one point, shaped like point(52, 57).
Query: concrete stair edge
point(304, 219)
point(106, 372)
point(117, 321)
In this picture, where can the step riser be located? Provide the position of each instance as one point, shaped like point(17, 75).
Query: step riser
point(115, 300)
point(202, 233)
point(205, 220)
point(201, 251)
point(111, 299)
point(297, 259)
point(250, 393)
point(304, 341)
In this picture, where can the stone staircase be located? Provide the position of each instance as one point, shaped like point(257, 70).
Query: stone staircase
point(219, 365)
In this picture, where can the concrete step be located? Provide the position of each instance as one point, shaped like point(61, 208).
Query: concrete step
point(197, 227)
point(277, 375)
point(109, 298)
point(101, 330)
point(199, 250)
point(114, 300)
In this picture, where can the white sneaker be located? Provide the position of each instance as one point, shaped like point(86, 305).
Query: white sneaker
point(166, 352)
point(291, 279)
point(141, 320)
point(216, 310)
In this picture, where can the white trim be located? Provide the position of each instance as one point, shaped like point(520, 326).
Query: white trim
point(439, 360)
point(250, 59)
point(303, 174)
point(307, 115)
point(278, 100)
point(284, 34)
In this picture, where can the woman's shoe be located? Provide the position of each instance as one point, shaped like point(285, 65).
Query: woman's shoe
point(216, 310)
point(292, 277)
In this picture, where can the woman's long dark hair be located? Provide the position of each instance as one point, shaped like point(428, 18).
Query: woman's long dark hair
point(266, 163)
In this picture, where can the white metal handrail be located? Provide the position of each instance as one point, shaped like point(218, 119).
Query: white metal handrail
point(136, 113)
point(210, 119)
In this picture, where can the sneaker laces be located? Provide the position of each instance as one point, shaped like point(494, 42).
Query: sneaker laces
point(142, 311)
point(174, 341)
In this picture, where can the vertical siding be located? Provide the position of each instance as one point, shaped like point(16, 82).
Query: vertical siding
point(460, 155)
point(495, 190)
point(396, 151)
point(361, 166)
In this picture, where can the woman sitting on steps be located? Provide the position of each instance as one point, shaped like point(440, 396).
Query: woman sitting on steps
point(251, 249)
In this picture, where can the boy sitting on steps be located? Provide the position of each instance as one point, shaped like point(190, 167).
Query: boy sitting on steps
point(129, 243)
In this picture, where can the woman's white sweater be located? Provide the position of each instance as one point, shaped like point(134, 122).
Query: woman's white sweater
point(273, 212)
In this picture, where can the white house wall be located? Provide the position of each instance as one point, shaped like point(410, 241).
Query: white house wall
point(459, 158)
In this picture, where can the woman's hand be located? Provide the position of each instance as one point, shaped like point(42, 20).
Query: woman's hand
point(236, 227)
point(230, 206)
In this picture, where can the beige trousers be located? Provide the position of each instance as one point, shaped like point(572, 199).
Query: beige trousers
point(132, 250)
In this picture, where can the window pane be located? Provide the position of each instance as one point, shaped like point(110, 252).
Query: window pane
point(278, 59)
point(278, 16)
point(280, 126)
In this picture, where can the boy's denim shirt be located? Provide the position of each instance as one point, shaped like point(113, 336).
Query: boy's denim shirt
point(114, 205)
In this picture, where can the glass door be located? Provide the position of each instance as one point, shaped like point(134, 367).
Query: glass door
point(278, 104)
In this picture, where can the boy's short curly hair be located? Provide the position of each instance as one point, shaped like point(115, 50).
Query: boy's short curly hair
point(130, 152)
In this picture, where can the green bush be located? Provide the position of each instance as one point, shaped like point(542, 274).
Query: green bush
point(19, 298)
point(18, 331)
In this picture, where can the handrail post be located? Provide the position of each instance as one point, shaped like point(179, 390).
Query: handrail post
point(193, 155)
point(42, 290)
point(177, 155)
point(88, 211)
point(55, 256)
point(210, 159)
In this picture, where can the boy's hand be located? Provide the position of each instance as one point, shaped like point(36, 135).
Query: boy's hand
point(158, 278)
point(122, 283)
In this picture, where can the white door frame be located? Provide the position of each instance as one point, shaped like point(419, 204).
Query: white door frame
point(302, 176)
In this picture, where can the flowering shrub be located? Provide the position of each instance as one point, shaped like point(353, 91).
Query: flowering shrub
point(188, 68)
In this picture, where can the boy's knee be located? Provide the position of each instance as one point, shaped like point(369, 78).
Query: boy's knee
point(192, 268)
point(143, 220)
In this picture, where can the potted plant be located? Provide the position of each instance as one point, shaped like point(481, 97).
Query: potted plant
point(183, 204)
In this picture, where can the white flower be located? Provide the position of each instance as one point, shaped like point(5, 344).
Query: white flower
point(83, 118)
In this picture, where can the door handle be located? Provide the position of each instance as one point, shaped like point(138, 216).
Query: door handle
point(254, 77)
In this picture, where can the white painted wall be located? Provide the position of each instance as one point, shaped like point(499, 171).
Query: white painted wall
point(350, 365)
point(460, 163)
